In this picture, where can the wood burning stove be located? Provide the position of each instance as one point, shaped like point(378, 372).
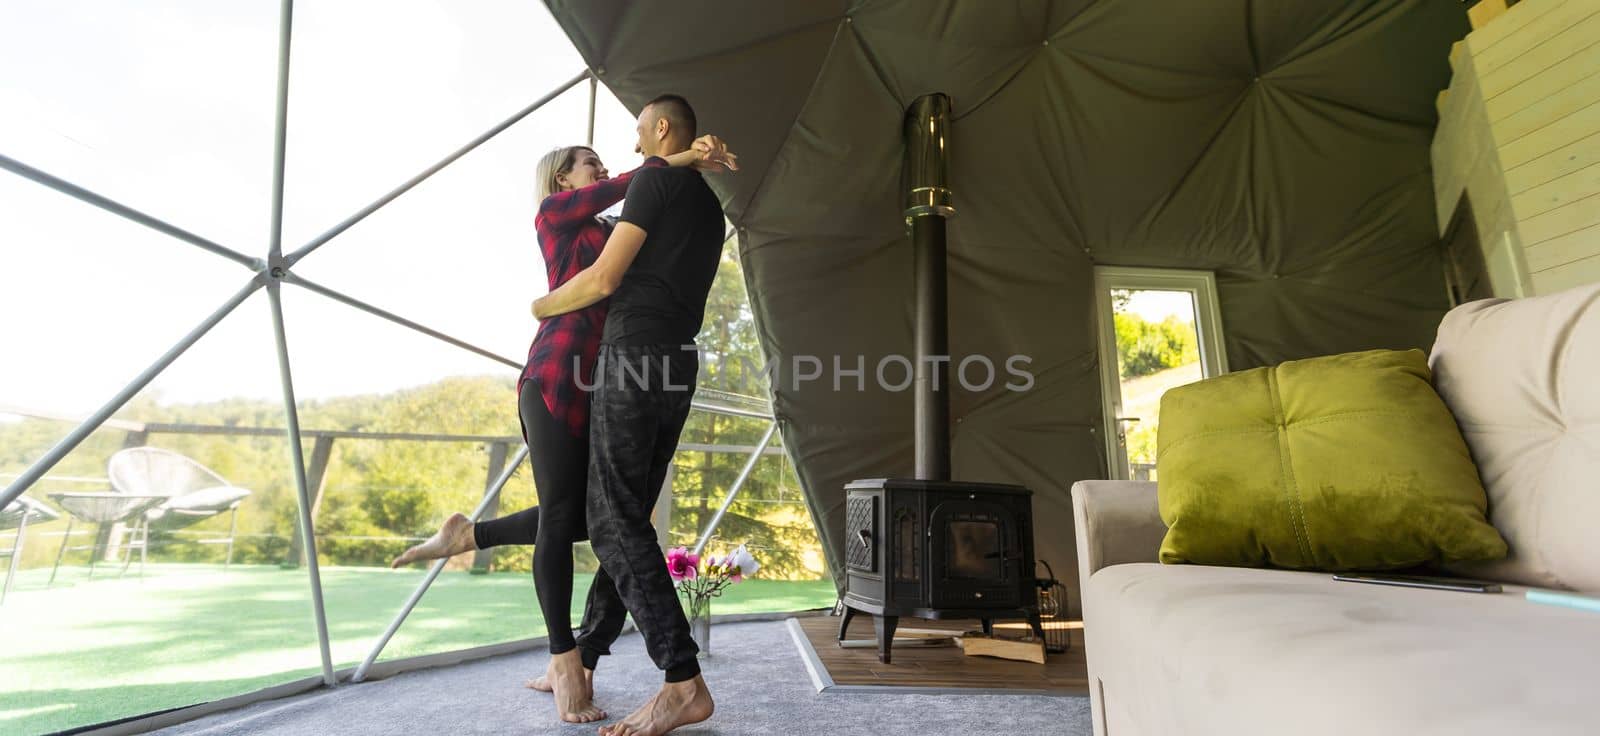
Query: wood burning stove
point(931, 547)
point(937, 549)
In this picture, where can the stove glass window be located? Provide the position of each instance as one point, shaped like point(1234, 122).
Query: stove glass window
point(972, 550)
point(909, 557)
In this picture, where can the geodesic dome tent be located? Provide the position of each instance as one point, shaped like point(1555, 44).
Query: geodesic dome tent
point(1282, 146)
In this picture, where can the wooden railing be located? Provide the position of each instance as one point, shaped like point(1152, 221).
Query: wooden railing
point(500, 447)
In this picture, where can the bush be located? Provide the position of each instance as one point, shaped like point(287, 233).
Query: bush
point(1145, 347)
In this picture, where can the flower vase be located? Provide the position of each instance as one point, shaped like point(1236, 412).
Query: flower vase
point(699, 611)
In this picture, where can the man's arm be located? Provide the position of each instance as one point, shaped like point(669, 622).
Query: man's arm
point(597, 281)
point(571, 208)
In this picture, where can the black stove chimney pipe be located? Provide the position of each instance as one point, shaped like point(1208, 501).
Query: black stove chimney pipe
point(928, 203)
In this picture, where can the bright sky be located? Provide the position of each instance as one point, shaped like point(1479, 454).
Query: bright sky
point(1155, 306)
point(167, 106)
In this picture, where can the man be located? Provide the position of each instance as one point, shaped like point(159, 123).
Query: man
point(656, 268)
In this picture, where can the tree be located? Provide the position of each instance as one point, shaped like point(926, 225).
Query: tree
point(769, 514)
point(1147, 347)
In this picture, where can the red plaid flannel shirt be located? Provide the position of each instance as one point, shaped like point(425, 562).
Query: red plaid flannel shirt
point(571, 239)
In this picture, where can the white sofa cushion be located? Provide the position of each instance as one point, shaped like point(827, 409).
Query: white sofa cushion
point(1523, 379)
point(1189, 649)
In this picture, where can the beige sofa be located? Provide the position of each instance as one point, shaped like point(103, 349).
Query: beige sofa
point(1189, 649)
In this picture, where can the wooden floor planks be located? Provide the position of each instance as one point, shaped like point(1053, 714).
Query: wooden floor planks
point(940, 666)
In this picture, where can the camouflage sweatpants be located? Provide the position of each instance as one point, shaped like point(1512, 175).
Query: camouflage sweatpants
point(637, 412)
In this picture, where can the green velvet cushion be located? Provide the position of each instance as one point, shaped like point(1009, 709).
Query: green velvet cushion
point(1346, 462)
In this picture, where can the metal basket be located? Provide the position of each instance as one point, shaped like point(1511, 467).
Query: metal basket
point(1055, 612)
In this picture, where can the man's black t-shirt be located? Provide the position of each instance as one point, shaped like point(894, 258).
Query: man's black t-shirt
point(662, 297)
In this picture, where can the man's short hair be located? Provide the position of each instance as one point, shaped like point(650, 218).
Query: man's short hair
point(677, 111)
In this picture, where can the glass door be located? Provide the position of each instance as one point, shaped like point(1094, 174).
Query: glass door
point(1159, 328)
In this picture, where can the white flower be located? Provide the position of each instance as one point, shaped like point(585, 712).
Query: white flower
point(745, 565)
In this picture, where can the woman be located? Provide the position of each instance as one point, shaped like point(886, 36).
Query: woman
point(574, 187)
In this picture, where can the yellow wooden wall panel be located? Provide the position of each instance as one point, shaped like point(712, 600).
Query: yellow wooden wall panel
point(1486, 190)
point(1462, 143)
point(1544, 84)
point(1562, 220)
point(1567, 130)
point(1571, 99)
point(1566, 40)
point(1577, 273)
point(1569, 248)
point(1575, 156)
point(1485, 12)
point(1502, 258)
point(1557, 193)
point(1514, 19)
point(1519, 136)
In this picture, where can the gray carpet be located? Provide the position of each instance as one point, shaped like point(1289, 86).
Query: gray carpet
point(756, 676)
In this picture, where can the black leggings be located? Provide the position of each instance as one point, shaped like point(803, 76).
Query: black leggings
point(561, 476)
point(516, 529)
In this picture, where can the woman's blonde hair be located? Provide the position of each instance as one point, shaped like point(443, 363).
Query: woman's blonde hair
point(556, 163)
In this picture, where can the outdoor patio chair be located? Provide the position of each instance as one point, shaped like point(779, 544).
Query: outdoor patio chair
point(18, 515)
point(102, 508)
point(193, 492)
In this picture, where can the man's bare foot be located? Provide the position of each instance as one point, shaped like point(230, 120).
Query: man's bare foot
point(574, 694)
point(677, 704)
point(542, 682)
point(454, 537)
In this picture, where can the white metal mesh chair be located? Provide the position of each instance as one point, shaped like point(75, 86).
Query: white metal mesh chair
point(101, 508)
point(18, 515)
point(194, 492)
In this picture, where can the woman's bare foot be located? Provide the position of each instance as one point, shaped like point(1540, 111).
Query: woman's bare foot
point(542, 682)
point(677, 704)
point(454, 537)
point(574, 695)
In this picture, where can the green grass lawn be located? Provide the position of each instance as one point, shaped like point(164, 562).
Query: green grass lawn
point(86, 651)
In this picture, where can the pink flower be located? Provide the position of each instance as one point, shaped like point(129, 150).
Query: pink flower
point(681, 565)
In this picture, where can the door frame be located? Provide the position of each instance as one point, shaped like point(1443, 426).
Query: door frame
point(1202, 288)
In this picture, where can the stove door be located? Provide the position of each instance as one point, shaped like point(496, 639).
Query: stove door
point(974, 555)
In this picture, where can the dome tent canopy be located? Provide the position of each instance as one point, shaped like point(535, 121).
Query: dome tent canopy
point(1283, 146)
